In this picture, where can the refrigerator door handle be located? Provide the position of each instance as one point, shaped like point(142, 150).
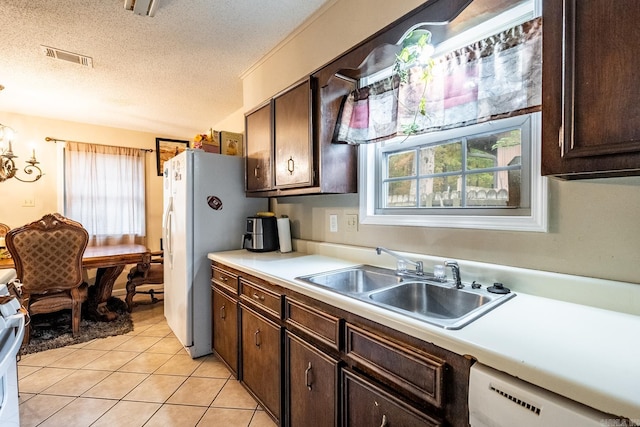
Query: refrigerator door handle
point(167, 231)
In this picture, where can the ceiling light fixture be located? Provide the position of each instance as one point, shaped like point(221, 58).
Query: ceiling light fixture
point(7, 165)
point(142, 7)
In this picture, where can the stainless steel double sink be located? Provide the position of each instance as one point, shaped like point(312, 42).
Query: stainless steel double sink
point(421, 297)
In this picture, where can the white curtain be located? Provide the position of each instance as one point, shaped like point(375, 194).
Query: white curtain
point(105, 192)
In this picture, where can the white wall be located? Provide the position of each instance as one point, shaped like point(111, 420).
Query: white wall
point(31, 131)
point(594, 227)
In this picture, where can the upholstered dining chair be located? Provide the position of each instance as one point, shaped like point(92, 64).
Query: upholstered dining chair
point(4, 228)
point(150, 271)
point(48, 258)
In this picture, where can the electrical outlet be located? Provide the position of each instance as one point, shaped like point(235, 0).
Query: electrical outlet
point(333, 223)
point(28, 203)
point(352, 222)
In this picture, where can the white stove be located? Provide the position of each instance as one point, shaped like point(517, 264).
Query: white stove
point(12, 324)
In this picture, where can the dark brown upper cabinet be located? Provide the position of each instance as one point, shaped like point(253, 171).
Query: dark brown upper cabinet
point(298, 156)
point(591, 108)
point(259, 149)
point(292, 113)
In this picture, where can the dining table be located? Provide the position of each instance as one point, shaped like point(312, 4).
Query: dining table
point(110, 261)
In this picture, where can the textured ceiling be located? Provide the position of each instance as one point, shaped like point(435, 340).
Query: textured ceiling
point(176, 74)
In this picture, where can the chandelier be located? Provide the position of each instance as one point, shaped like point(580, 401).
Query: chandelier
point(8, 168)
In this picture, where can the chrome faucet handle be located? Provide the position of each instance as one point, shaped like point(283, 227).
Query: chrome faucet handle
point(455, 270)
point(419, 268)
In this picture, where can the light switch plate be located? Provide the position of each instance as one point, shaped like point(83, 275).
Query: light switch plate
point(352, 223)
point(333, 223)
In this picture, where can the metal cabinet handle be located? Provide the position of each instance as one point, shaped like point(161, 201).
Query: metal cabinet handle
point(224, 279)
point(307, 376)
point(223, 314)
point(384, 421)
point(256, 171)
point(291, 165)
point(258, 297)
point(256, 336)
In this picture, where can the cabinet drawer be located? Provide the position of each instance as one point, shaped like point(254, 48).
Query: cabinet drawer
point(260, 297)
point(315, 323)
point(365, 404)
point(225, 280)
point(401, 367)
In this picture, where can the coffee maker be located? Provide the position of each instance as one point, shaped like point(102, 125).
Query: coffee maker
point(261, 234)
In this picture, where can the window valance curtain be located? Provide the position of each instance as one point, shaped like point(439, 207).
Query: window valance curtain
point(105, 192)
point(499, 76)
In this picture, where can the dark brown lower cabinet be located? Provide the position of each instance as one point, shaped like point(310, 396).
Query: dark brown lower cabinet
point(261, 359)
point(311, 384)
point(367, 405)
point(225, 329)
point(310, 364)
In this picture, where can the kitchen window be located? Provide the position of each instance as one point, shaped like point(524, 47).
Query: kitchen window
point(481, 176)
point(104, 190)
point(466, 165)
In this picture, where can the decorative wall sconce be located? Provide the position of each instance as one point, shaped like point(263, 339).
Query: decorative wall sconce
point(8, 168)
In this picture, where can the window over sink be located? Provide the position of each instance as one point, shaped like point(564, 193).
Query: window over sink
point(483, 175)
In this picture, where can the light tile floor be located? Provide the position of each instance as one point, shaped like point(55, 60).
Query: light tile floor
point(143, 378)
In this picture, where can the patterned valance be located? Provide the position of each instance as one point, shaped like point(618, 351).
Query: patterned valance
point(500, 76)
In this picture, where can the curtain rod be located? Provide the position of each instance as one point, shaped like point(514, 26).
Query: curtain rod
point(48, 138)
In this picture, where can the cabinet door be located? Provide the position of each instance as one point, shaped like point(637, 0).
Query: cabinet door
point(293, 141)
point(367, 405)
point(259, 149)
point(590, 111)
point(225, 329)
point(312, 391)
point(261, 359)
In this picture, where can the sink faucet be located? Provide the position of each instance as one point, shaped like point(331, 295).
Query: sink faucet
point(455, 270)
point(400, 265)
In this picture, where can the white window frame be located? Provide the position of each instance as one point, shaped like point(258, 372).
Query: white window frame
point(535, 221)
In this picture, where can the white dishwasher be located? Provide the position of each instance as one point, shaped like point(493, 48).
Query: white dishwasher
point(497, 399)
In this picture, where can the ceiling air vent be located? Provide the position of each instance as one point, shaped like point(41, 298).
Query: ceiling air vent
point(52, 52)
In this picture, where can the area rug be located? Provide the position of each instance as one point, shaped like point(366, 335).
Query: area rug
point(54, 330)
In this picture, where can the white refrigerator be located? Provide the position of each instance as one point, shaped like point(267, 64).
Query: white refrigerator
point(205, 210)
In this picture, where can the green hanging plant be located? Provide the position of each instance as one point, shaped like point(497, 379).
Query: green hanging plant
point(416, 48)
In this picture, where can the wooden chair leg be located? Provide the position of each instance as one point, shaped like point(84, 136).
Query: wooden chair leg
point(27, 335)
point(76, 311)
point(131, 291)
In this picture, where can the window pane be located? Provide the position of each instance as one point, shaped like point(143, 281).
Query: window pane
point(442, 158)
point(495, 150)
point(439, 192)
point(493, 189)
point(402, 164)
point(401, 194)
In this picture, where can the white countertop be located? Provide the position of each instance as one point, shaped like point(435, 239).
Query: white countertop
point(587, 354)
